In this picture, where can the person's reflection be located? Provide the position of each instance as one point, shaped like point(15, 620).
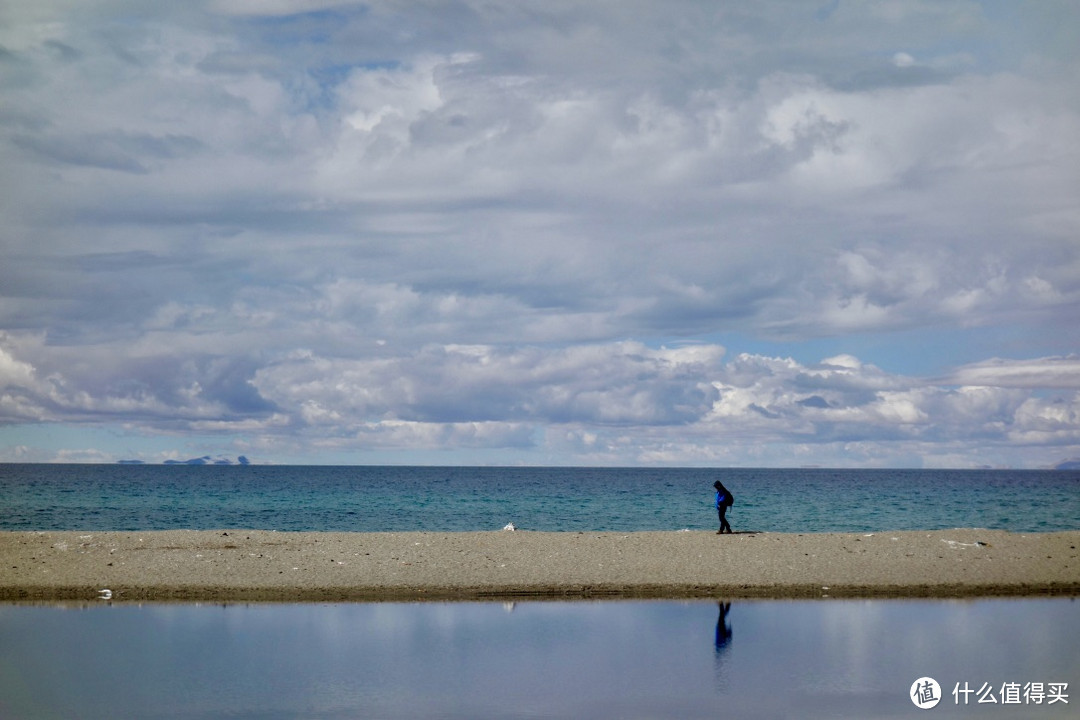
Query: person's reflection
point(722, 641)
point(723, 628)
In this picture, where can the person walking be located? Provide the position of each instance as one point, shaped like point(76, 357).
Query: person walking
point(724, 500)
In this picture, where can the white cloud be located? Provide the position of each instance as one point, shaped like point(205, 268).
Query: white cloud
point(902, 60)
point(1049, 372)
point(274, 7)
point(621, 384)
point(14, 372)
point(479, 220)
point(612, 403)
point(405, 435)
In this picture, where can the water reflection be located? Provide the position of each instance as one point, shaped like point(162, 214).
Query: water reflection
point(721, 640)
point(723, 628)
point(835, 659)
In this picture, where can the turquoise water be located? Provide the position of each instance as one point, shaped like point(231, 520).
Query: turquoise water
point(761, 659)
point(145, 497)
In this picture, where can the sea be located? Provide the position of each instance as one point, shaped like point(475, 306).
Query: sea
point(824, 658)
point(453, 499)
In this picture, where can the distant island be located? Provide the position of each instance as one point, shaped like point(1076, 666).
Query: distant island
point(1071, 464)
point(204, 460)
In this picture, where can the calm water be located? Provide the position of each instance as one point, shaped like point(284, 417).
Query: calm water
point(119, 497)
point(762, 659)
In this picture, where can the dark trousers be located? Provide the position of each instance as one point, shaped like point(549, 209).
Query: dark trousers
point(722, 512)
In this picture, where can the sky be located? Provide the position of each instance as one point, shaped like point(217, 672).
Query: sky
point(759, 234)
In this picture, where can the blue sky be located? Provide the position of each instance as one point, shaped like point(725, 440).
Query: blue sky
point(633, 233)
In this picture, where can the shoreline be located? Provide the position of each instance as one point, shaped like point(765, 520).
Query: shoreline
point(270, 566)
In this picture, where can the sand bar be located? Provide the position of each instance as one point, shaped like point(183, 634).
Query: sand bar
point(250, 565)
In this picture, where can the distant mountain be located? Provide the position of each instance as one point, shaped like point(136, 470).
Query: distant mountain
point(204, 460)
point(1068, 465)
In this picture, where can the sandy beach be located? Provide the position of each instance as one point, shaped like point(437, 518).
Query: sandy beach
point(245, 565)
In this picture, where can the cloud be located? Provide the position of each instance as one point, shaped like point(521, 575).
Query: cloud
point(610, 385)
point(390, 225)
point(111, 151)
point(1036, 373)
point(274, 8)
point(902, 59)
point(159, 391)
point(611, 403)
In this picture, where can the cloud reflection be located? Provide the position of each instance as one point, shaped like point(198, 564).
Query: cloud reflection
point(600, 659)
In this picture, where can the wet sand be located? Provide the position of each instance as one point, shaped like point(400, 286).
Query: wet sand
point(248, 565)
